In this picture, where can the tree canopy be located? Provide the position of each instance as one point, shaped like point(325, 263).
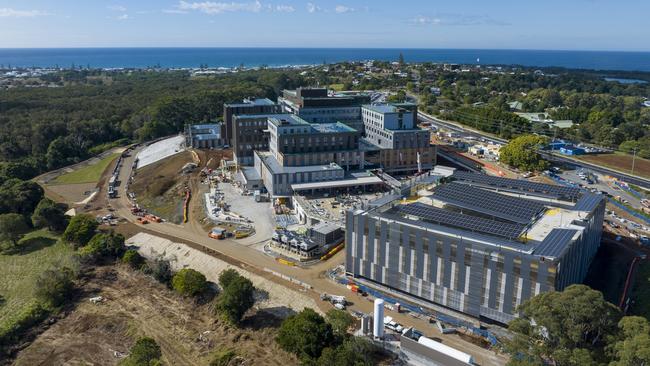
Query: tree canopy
point(104, 246)
point(80, 230)
point(189, 282)
point(237, 298)
point(571, 327)
point(51, 215)
point(12, 228)
point(521, 153)
point(305, 334)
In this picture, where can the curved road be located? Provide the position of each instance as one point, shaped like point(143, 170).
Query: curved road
point(314, 275)
point(639, 181)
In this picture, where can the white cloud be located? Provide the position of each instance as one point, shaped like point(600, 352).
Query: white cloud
point(285, 8)
point(174, 11)
point(119, 8)
point(12, 13)
point(456, 19)
point(313, 8)
point(123, 17)
point(210, 7)
point(343, 9)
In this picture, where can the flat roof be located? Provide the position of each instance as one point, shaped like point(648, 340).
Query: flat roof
point(389, 107)
point(205, 126)
point(250, 173)
point(325, 227)
point(336, 127)
point(272, 164)
point(381, 108)
point(288, 120)
point(264, 115)
point(349, 182)
point(252, 102)
point(206, 136)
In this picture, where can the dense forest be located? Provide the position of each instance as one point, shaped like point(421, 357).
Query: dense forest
point(48, 128)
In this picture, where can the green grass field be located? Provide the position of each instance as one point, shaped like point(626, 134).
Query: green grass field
point(38, 251)
point(336, 87)
point(87, 174)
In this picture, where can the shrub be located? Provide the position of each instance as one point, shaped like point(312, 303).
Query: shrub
point(51, 215)
point(104, 246)
point(161, 270)
point(227, 276)
point(144, 352)
point(133, 259)
point(223, 357)
point(236, 299)
point(80, 230)
point(54, 286)
point(189, 282)
point(12, 228)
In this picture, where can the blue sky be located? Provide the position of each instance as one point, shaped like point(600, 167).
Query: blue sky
point(523, 24)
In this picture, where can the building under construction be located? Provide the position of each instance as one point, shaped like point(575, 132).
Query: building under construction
point(479, 245)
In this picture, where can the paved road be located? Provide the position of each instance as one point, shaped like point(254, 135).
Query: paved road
point(642, 182)
point(314, 275)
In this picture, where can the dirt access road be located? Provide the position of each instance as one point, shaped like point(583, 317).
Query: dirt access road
point(255, 261)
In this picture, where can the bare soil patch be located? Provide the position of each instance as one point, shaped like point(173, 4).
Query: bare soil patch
point(72, 193)
point(160, 187)
point(621, 162)
point(136, 306)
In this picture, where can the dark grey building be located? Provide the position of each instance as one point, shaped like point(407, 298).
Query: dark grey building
point(247, 106)
point(480, 245)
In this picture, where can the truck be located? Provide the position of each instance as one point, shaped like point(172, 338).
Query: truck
point(389, 323)
point(217, 233)
point(334, 299)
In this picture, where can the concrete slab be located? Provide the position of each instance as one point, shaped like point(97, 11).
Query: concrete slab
point(161, 150)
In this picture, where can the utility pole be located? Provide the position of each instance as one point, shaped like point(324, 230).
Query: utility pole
point(633, 159)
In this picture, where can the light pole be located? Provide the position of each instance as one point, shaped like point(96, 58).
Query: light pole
point(633, 159)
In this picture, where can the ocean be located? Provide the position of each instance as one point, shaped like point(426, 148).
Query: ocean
point(252, 57)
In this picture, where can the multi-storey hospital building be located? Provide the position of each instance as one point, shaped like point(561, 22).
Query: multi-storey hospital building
point(476, 244)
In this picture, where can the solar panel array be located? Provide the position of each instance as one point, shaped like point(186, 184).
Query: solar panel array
point(555, 242)
point(560, 192)
point(588, 202)
point(449, 218)
point(488, 202)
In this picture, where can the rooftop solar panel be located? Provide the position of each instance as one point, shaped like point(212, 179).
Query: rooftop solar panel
point(588, 202)
point(490, 203)
point(554, 243)
point(559, 192)
point(476, 224)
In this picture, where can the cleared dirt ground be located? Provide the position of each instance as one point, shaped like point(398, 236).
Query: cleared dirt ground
point(137, 306)
point(160, 186)
point(621, 162)
point(72, 193)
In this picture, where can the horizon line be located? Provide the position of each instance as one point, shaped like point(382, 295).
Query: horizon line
point(320, 48)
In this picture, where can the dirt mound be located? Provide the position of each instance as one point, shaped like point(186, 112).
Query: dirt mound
point(136, 306)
